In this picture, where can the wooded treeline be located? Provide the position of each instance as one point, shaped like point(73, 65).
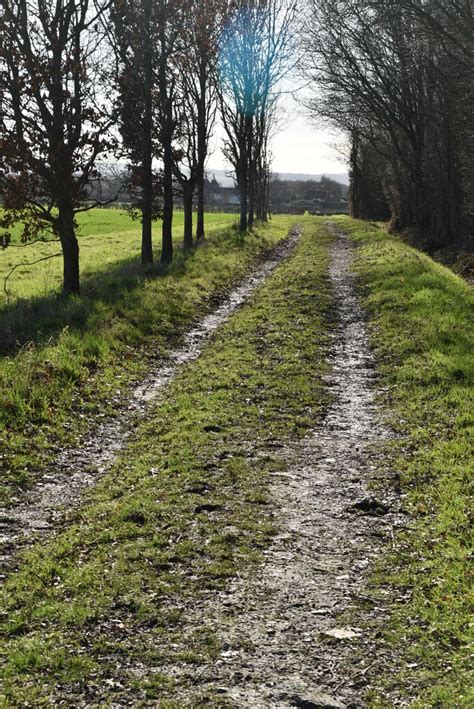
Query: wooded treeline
point(397, 77)
point(84, 82)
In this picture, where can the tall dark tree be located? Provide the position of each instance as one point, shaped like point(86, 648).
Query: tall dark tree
point(148, 36)
point(134, 39)
point(195, 105)
point(368, 190)
point(208, 17)
point(185, 154)
point(171, 40)
point(55, 125)
point(265, 122)
point(396, 76)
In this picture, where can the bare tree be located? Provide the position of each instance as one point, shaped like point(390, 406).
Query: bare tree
point(55, 125)
point(148, 38)
point(255, 52)
point(451, 21)
point(133, 39)
point(196, 104)
point(185, 156)
point(171, 18)
point(389, 80)
point(209, 17)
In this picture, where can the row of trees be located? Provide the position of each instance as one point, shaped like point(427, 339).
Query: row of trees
point(252, 63)
point(84, 82)
point(397, 77)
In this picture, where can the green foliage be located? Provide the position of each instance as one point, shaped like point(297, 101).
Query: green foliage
point(180, 512)
point(424, 341)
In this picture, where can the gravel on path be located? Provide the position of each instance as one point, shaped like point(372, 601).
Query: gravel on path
point(282, 642)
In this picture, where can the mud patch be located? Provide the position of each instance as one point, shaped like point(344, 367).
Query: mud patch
point(279, 626)
point(78, 469)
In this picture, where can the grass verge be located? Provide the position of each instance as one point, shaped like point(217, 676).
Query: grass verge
point(422, 333)
point(76, 353)
point(95, 615)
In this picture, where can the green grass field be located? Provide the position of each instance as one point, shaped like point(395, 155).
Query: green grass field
point(259, 380)
point(106, 238)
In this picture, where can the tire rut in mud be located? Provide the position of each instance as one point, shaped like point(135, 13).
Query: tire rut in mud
point(43, 509)
point(282, 643)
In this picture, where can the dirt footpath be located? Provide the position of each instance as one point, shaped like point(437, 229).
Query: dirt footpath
point(78, 469)
point(283, 643)
point(284, 628)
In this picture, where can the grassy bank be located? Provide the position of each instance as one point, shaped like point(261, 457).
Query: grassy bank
point(96, 614)
point(60, 360)
point(423, 337)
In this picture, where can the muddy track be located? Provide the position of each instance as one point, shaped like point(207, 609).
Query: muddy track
point(78, 469)
point(283, 641)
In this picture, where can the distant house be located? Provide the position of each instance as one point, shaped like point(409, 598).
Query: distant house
point(216, 196)
point(323, 197)
point(212, 190)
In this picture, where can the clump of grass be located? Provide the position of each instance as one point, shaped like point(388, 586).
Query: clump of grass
point(62, 354)
point(180, 513)
point(423, 338)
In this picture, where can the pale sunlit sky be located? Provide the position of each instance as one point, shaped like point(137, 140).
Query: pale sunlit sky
point(299, 147)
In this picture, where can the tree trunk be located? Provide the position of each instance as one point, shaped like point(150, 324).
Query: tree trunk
point(200, 232)
point(251, 198)
point(188, 217)
point(250, 172)
point(147, 230)
point(243, 191)
point(202, 152)
point(265, 198)
point(147, 149)
point(259, 190)
point(167, 136)
point(251, 215)
point(167, 231)
point(147, 203)
point(70, 249)
point(243, 201)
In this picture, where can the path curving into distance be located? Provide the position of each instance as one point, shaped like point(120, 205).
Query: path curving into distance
point(79, 468)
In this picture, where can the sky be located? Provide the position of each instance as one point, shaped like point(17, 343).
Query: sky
point(299, 147)
point(303, 147)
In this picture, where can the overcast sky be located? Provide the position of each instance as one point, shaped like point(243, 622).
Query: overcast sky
point(300, 146)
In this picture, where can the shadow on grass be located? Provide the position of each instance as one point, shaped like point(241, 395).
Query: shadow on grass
point(39, 319)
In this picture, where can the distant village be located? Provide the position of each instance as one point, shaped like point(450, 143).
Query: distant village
point(325, 196)
point(287, 196)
